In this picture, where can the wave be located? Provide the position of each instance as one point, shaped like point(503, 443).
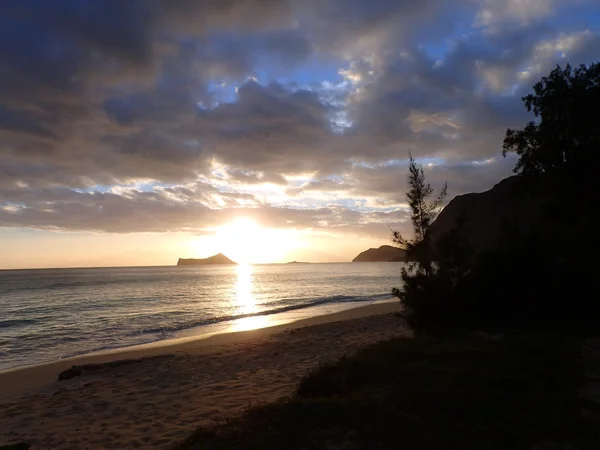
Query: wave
point(163, 333)
point(167, 332)
point(56, 285)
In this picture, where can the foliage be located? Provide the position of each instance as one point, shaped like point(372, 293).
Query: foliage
point(432, 273)
point(423, 213)
point(421, 269)
point(562, 150)
point(566, 136)
point(426, 393)
point(531, 280)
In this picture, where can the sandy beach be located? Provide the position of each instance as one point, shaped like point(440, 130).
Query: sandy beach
point(163, 392)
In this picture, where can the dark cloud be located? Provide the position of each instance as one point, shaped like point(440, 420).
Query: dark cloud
point(268, 127)
point(57, 45)
point(23, 122)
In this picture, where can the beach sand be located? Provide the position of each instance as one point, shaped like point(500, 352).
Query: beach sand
point(169, 389)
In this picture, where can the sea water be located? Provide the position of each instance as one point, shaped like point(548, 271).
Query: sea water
point(54, 313)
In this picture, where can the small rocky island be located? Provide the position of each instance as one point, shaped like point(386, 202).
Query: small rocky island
point(385, 253)
point(212, 260)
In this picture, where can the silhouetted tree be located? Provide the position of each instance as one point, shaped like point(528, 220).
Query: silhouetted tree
point(561, 149)
point(423, 213)
point(419, 279)
point(565, 137)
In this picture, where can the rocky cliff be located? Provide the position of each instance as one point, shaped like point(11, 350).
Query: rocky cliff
point(485, 214)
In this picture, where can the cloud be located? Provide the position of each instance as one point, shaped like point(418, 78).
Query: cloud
point(23, 122)
point(166, 115)
point(126, 210)
point(524, 11)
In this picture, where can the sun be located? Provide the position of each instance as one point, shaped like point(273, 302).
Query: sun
point(245, 241)
point(241, 225)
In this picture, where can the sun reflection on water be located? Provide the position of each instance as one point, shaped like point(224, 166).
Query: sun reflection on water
point(245, 302)
point(244, 299)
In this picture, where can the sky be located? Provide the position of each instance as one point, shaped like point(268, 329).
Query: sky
point(137, 132)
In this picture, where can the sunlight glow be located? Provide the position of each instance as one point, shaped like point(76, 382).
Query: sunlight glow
point(246, 242)
point(251, 323)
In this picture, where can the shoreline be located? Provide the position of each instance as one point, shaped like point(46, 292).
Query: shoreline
point(19, 380)
point(204, 330)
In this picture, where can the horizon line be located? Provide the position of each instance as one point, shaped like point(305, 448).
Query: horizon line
point(165, 265)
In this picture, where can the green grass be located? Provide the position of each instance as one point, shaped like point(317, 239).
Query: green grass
point(467, 394)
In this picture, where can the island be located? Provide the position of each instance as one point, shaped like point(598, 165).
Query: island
point(212, 260)
point(297, 262)
point(385, 253)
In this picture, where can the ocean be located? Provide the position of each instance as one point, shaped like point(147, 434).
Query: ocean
point(55, 313)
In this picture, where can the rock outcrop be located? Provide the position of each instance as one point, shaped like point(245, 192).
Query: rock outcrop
point(216, 259)
point(385, 253)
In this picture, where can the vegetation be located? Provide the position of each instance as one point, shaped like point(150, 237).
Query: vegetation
point(421, 276)
point(565, 138)
point(423, 213)
point(561, 149)
point(534, 280)
point(426, 393)
point(19, 446)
